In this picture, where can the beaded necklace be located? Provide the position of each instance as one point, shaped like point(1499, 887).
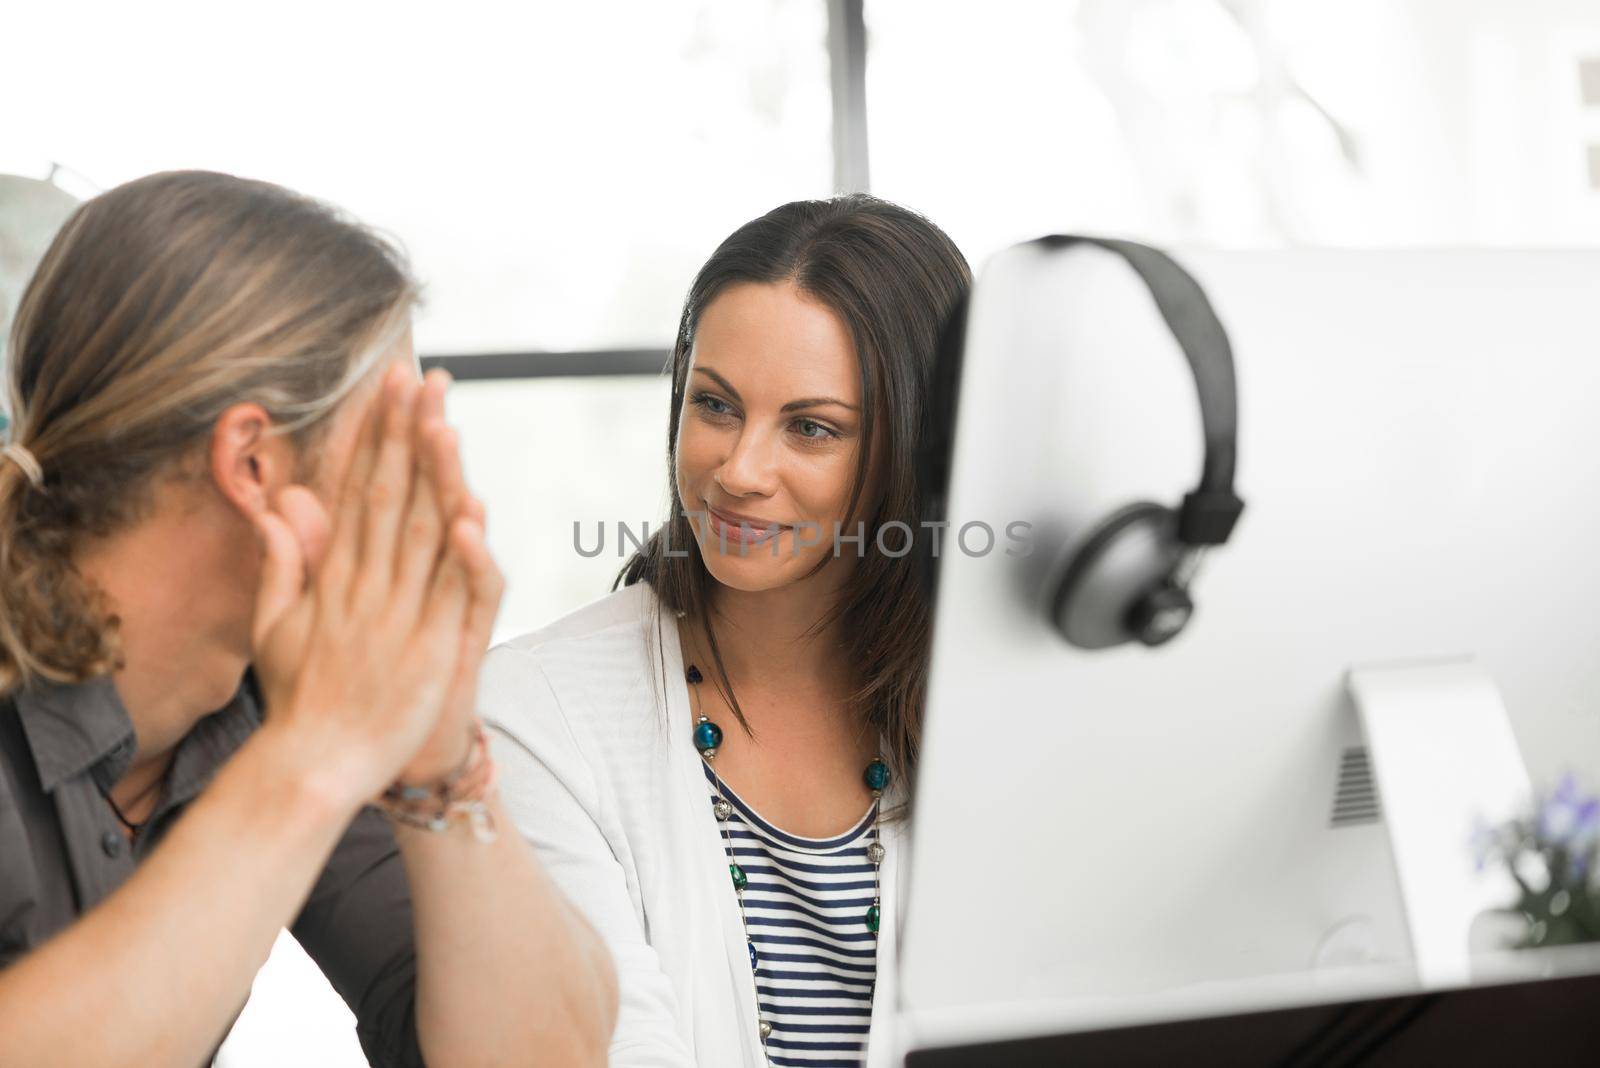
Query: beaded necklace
point(708, 739)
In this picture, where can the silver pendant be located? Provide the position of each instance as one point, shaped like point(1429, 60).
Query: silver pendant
point(721, 809)
point(875, 853)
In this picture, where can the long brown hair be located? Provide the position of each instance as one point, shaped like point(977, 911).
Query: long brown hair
point(893, 278)
point(158, 305)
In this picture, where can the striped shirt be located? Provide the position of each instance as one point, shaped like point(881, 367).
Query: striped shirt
point(805, 911)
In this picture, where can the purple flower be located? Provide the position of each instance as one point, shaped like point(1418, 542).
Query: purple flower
point(1570, 818)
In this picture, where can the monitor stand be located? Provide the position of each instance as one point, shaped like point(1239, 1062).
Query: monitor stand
point(1446, 761)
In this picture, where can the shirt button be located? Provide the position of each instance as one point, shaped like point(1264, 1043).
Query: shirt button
point(111, 844)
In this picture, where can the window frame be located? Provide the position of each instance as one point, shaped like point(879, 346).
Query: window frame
point(847, 66)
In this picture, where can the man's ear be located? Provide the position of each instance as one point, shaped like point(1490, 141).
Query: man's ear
point(249, 463)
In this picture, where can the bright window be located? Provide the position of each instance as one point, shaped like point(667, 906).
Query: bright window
point(557, 171)
point(1371, 123)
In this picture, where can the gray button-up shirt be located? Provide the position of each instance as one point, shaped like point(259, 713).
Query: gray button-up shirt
point(62, 849)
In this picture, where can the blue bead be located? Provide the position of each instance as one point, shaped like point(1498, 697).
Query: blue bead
point(753, 957)
point(877, 775)
point(693, 675)
point(707, 735)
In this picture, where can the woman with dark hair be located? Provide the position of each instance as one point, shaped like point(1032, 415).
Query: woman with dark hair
point(244, 595)
point(713, 760)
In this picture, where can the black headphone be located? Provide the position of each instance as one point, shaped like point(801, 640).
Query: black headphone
point(1128, 578)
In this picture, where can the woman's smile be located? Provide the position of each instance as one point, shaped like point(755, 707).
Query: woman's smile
point(736, 529)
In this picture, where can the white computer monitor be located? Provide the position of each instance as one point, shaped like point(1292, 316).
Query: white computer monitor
point(1098, 835)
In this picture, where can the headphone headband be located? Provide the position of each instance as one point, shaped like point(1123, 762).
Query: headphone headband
point(1210, 510)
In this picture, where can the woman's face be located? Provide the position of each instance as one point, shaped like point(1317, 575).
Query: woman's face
point(769, 435)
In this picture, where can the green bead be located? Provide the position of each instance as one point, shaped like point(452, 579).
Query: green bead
point(877, 776)
point(874, 914)
point(707, 736)
point(740, 879)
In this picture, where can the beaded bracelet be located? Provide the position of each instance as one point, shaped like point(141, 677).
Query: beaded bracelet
point(464, 793)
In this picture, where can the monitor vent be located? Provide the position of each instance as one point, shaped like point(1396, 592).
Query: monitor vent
point(1355, 801)
point(1589, 81)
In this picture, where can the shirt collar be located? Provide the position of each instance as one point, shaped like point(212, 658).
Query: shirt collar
point(73, 728)
point(211, 742)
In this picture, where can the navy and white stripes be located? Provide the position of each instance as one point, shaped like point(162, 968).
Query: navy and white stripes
point(805, 910)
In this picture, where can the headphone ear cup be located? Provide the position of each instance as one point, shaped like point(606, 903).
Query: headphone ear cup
point(1112, 572)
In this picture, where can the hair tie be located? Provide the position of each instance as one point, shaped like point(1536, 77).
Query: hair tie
point(19, 455)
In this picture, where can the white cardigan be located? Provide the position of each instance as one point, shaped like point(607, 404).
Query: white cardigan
point(609, 790)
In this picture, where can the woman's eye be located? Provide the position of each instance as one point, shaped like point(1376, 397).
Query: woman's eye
point(712, 405)
point(813, 430)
